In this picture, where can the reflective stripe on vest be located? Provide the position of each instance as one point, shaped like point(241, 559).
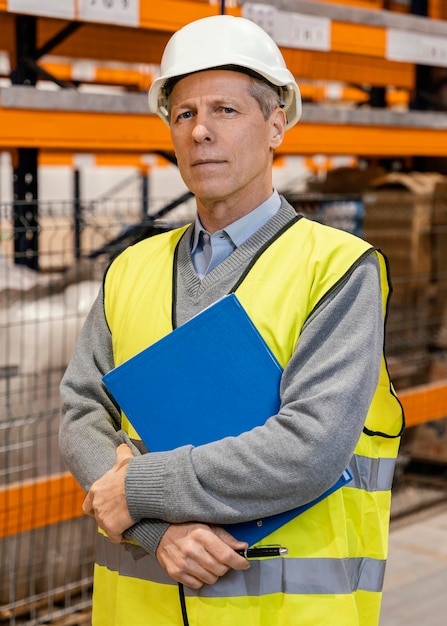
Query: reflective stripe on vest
point(371, 474)
point(277, 575)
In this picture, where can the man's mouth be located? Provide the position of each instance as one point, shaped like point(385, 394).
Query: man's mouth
point(207, 162)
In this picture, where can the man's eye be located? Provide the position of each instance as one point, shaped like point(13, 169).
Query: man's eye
point(228, 110)
point(186, 115)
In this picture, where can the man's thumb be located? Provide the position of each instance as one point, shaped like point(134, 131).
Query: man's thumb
point(123, 453)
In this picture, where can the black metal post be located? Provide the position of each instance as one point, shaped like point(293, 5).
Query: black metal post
point(25, 205)
point(378, 97)
point(25, 209)
point(144, 195)
point(419, 7)
point(422, 72)
point(423, 83)
point(77, 213)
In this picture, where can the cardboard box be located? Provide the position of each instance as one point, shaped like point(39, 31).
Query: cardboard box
point(429, 442)
point(438, 310)
point(402, 220)
point(399, 220)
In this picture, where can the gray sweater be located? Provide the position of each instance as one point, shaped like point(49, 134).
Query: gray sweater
point(326, 390)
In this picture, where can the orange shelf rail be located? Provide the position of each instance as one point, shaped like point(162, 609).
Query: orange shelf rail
point(84, 131)
point(39, 503)
point(424, 403)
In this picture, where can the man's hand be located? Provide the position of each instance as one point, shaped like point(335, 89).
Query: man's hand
point(106, 500)
point(195, 554)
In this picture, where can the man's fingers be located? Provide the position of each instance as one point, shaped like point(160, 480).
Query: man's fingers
point(123, 453)
point(190, 581)
point(87, 505)
point(193, 554)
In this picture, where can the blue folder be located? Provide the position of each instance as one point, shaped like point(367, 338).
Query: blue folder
point(212, 377)
point(255, 530)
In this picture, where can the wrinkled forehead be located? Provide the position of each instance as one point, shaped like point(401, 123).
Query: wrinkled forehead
point(234, 69)
point(212, 87)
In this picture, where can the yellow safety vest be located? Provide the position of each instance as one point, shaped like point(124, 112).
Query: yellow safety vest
point(333, 573)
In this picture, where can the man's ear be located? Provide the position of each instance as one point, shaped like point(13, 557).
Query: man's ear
point(277, 127)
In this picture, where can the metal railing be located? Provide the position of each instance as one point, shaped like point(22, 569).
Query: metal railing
point(46, 546)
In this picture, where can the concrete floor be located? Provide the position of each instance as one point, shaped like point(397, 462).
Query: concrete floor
point(415, 589)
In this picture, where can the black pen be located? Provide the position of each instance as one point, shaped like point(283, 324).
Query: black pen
point(262, 551)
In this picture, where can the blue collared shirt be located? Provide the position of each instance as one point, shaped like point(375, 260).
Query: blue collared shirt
point(217, 246)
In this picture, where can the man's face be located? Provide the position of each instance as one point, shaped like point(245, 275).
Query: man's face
point(223, 144)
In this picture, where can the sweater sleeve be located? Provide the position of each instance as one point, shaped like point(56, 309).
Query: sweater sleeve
point(90, 420)
point(326, 391)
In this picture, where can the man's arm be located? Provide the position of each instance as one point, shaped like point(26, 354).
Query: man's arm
point(326, 391)
point(90, 422)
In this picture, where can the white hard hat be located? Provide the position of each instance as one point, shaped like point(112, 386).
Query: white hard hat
point(225, 41)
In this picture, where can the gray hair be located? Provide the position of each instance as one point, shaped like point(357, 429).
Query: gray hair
point(266, 95)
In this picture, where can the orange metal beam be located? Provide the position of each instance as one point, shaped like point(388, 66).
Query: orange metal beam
point(424, 403)
point(80, 132)
point(170, 15)
point(129, 77)
point(322, 93)
point(103, 159)
point(349, 68)
point(105, 42)
point(314, 138)
point(362, 4)
point(102, 42)
point(39, 503)
point(359, 39)
point(99, 132)
point(437, 9)
point(7, 41)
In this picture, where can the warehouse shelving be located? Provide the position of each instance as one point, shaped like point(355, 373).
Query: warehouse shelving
point(357, 53)
point(90, 122)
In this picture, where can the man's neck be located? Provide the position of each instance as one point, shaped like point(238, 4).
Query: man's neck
point(216, 215)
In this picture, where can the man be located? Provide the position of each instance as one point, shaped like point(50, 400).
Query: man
point(318, 297)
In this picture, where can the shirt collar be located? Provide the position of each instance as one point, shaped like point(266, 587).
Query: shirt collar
point(243, 228)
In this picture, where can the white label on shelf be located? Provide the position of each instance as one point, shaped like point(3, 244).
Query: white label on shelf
point(292, 30)
point(84, 71)
point(261, 14)
point(82, 160)
point(52, 8)
point(416, 48)
point(334, 91)
point(124, 12)
point(5, 66)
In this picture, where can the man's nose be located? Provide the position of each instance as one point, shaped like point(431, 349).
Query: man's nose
point(202, 130)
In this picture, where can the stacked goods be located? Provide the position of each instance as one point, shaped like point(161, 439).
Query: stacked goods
point(439, 256)
point(402, 220)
